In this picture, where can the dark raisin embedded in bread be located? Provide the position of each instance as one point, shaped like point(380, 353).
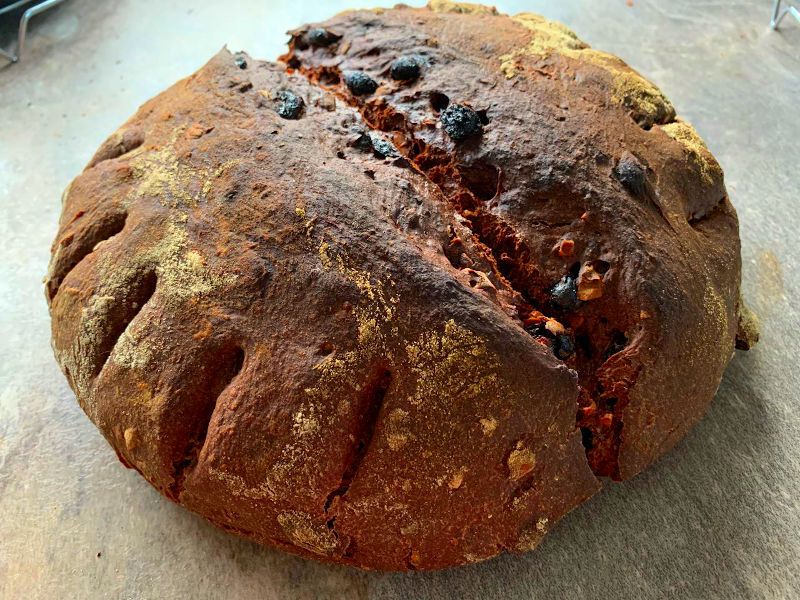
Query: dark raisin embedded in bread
point(290, 105)
point(460, 122)
point(382, 147)
point(563, 347)
point(564, 294)
point(631, 174)
point(359, 83)
point(398, 364)
point(405, 68)
point(321, 37)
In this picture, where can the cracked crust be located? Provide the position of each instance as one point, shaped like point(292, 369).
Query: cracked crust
point(335, 333)
point(282, 343)
point(575, 147)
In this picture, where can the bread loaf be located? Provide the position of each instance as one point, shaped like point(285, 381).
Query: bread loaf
point(405, 298)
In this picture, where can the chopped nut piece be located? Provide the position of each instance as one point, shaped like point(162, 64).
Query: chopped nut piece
point(533, 318)
point(414, 558)
point(554, 327)
point(457, 480)
point(131, 438)
point(565, 248)
point(488, 425)
point(195, 130)
point(327, 102)
point(607, 419)
point(521, 461)
point(590, 283)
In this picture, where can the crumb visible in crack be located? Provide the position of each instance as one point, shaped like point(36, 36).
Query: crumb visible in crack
point(696, 148)
point(123, 315)
point(696, 219)
point(469, 188)
point(747, 332)
point(301, 529)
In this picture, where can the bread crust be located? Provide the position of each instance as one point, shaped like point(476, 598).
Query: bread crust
point(323, 322)
point(577, 147)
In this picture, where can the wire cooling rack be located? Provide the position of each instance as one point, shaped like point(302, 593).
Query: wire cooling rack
point(778, 12)
point(30, 12)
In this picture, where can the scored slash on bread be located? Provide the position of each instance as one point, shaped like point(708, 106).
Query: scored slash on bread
point(401, 299)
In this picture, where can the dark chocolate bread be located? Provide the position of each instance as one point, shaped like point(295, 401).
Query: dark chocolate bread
point(400, 299)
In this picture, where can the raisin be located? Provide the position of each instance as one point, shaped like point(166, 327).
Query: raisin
point(359, 83)
point(563, 347)
point(361, 140)
point(290, 105)
point(460, 122)
point(564, 294)
point(405, 68)
point(321, 37)
point(631, 174)
point(240, 61)
point(383, 148)
point(372, 142)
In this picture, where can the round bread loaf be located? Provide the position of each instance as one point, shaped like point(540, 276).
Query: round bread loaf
point(403, 299)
